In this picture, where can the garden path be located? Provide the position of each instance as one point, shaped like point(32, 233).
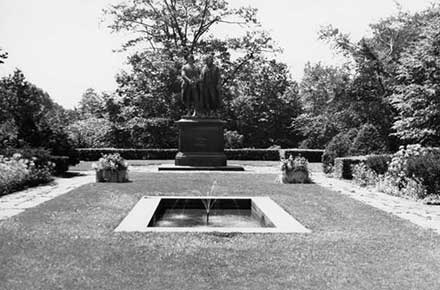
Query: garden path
point(426, 216)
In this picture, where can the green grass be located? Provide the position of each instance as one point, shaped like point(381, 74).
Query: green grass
point(69, 243)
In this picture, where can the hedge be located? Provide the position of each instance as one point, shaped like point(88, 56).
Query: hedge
point(312, 155)
point(61, 164)
point(344, 165)
point(93, 154)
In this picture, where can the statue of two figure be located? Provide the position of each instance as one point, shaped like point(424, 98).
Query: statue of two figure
point(201, 88)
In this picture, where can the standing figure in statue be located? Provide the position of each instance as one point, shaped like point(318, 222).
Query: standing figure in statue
point(210, 85)
point(190, 85)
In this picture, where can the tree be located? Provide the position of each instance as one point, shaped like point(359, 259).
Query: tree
point(34, 119)
point(164, 32)
point(91, 105)
point(3, 55)
point(417, 94)
point(266, 104)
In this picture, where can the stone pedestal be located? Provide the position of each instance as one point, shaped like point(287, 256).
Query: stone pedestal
point(201, 146)
point(201, 143)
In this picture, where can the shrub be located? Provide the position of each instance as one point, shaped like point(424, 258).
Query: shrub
point(253, 154)
point(61, 164)
point(378, 163)
point(363, 175)
point(93, 154)
point(426, 168)
point(344, 165)
point(233, 140)
point(368, 141)
point(18, 172)
point(91, 133)
point(414, 172)
point(339, 146)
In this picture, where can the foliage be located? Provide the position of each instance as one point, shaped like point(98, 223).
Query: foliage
point(17, 172)
point(321, 90)
point(91, 105)
point(91, 133)
point(413, 172)
point(368, 141)
point(3, 56)
point(417, 94)
point(339, 146)
point(318, 130)
point(266, 105)
point(93, 154)
point(364, 175)
point(165, 32)
point(111, 162)
point(233, 139)
point(378, 163)
point(151, 133)
point(29, 118)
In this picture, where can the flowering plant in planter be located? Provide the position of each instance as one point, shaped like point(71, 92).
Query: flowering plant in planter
point(294, 170)
point(111, 168)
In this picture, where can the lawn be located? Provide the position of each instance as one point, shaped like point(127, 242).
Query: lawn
point(69, 243)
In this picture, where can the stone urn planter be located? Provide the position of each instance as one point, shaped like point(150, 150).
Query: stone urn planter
point(294, 170)
point(109, 175)
point(111, 168)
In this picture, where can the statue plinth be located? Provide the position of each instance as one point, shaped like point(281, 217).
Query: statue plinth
point(201, 142)
point(201, 146)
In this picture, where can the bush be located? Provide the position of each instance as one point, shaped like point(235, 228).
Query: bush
point(426, 168)
point(93, 154)
point(339, 146)
point(414, 172)
point(368, 141)
point(233, 140)
point(91, 133)
point(17, 173)
point(344, 165)
point(363, 175)
point(378, 163)
point(42, 158)
point(61, 164)
point(253, 154)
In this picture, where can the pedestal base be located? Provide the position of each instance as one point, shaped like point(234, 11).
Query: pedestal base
point(201, 168)
point(201, 143)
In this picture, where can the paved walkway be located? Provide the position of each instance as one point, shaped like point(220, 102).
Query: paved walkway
point(15, 203)
point(425, 216)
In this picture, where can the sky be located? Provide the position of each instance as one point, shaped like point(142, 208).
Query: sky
point(63, 47)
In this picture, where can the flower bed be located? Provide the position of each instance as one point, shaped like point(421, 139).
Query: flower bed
point(412, 172)
point(17, 173)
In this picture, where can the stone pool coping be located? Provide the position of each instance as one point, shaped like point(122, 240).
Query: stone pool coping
point(138, 218)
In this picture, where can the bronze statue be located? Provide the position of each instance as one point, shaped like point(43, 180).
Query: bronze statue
point(210, 85)
point(201, 92)
point(190, 84)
